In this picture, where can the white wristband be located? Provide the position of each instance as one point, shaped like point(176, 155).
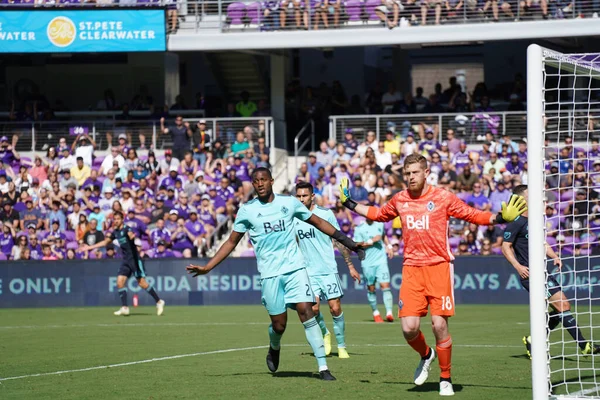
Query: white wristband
point(390, 246)
point(370, 242)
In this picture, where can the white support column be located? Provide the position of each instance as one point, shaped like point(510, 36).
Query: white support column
point(171, 68)
point(278, 78)
point(537, 250)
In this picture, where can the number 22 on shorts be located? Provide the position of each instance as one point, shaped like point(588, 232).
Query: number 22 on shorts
point(446, 303)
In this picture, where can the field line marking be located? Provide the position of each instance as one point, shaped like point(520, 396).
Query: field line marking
point(198, 324)
point(125, 364)
point(205, 353)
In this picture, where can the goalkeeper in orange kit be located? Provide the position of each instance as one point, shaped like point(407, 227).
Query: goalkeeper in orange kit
point(428, 273)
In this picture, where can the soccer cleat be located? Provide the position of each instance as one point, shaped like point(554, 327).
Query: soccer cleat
point(527, 343)
point(342, 353)
point(590, 349)
point(122, 311)
point(327, 341)
point(422, 371)
point(377, 318)
point(160, 307)
point(326, 375)
point(389, 318)
point(446, 388)
point(273, 359)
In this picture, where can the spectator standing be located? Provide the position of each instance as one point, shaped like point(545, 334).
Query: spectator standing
point(84, 147)
point(246, 108)
point(180, 135)
point(202, 138)
point(390, 98)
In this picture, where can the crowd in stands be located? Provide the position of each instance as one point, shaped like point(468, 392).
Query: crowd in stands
point(55, 205)
point(482, 175)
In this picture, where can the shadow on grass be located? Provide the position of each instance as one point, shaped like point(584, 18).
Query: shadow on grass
point(295, 374)
point(435, 386)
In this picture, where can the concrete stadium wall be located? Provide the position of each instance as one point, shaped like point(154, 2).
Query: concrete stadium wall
point(478, 280)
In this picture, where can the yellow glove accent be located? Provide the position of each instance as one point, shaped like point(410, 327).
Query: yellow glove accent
point(517, 205)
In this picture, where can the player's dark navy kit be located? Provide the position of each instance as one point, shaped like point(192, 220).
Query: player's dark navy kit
point(132, 262)
point(517, 233)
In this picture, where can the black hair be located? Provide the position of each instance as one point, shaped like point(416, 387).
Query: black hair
point(519, 190)
point(119, 213)
point(262, 169)
point(305, 185)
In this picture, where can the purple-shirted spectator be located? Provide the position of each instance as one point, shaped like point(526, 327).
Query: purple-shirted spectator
point(430, 144)
point(183, 207)
point(462, 158)
point(498, 196)
point(225, 192)
point(206, 212)
point(35, 248)
point(181, 238)
point(7, 240)
point(161, 251)
point(160, 233)
point(8, 155)
point(169, 181)
point(453, 142)
point(514, 166)
point(136, 225)
point(478, 199)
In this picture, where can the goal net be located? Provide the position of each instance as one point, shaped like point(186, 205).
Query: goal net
point(563, 112)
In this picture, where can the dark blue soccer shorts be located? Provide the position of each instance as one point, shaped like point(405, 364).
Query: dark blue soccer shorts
point(553, 286)
point(132, 267)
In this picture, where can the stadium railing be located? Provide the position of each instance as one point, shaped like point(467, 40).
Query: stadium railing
point(39, 135)
point(467, 126)
point(227, 15)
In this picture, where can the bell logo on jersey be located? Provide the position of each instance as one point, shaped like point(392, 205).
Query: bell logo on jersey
point(278, 226)
point(310, 234)
point(417, 224)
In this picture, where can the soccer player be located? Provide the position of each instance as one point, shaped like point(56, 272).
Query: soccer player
point(427, 274)
point(375, 266)
point(132, 263)
point(270, 221)
point(317, 250)
point(515, 249)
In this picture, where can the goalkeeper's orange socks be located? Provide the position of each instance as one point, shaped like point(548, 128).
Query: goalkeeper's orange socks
point(419, 345)
point(444, 351)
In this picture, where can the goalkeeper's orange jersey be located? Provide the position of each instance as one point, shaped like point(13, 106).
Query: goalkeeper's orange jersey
point(425, 223)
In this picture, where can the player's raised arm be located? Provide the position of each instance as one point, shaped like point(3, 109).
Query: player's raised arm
point(509, 212)
point(384, 214)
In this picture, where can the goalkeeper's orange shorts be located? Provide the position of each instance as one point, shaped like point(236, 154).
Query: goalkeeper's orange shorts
point(424, 288)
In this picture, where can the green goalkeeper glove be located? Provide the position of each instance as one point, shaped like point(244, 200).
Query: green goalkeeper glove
point(516, 206)
point(345, 195)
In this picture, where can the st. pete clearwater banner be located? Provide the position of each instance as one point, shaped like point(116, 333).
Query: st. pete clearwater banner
point(77, 31)
point(478, 280)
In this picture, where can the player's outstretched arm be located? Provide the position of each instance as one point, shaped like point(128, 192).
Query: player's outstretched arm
point(509, 212)
point(223, 252)
point(330, 230)
point(386, 213)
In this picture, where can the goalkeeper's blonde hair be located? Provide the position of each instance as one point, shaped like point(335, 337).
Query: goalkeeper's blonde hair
point(415, 158)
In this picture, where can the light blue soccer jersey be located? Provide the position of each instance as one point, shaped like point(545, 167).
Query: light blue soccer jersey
point(374, 255)
point(316, 246)
point(272, 232)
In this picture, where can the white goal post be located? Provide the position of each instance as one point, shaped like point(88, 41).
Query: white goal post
point(562, 103)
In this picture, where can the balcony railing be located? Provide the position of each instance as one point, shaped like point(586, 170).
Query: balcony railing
point(39, 136)
point(468, 126)
point(230, 16)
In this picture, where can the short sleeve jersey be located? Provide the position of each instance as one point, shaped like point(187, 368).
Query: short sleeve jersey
point(517, 233)
point(374, 255)
point(316, 246)
point(272, 232)
point(127, 245)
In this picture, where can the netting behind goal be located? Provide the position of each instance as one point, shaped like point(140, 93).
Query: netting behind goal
point(565, 213)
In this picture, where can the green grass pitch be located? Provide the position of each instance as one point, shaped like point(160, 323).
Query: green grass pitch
point(223, 355)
